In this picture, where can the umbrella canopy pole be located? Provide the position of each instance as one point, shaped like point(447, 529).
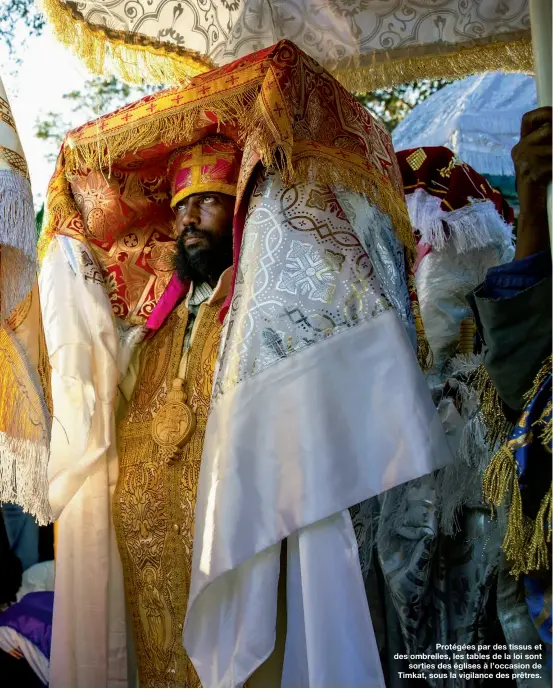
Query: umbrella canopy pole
point(540, 20)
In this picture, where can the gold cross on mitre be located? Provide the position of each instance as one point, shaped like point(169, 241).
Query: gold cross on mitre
point(198, 159)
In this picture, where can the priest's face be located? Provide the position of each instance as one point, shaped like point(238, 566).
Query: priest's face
point(204, 244)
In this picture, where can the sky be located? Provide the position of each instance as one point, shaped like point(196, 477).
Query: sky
point(36, 87)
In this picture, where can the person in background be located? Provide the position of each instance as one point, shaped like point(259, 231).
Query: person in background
point(432, 561)
point(512, 308)
point(513, 305)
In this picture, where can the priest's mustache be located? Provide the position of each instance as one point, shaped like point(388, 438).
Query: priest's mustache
point(192, 229)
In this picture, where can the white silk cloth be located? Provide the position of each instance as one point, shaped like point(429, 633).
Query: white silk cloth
point(88, 636)
point(318, 404)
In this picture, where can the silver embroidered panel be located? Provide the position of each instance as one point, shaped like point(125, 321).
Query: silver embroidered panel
point(377, 236)
point(303, 276)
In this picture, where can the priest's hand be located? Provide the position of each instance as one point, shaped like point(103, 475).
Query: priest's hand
point(532, 159)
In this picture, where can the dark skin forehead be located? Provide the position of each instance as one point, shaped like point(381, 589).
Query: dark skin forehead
point(209, 211)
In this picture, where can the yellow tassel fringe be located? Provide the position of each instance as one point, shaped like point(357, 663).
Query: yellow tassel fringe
point(509, 53)
point(101, 150)
point(498, 477)
point(106, 51)
point(491, 407)
point(525, 540)
point(537, 556)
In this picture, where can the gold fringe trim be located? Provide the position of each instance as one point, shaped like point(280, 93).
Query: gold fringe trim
point(498, 476)
point(384, 71)
point(544, 422)
point(537, 557)
point(525, 543)
point(99, 153)
point(24, 432)
point(491, 407)
point(105, 51)
point(546, 435)
point(58, 210)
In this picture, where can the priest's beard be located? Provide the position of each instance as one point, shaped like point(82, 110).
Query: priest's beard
point(204, 263)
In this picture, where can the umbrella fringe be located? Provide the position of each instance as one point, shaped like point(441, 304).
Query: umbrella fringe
point(139, 61)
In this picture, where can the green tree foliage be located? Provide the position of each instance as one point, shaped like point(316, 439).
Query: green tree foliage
point(391, 105)
point(39, 218)
point(19, 14)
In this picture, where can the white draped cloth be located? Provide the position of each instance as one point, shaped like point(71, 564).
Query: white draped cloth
point(88, 638)
point(318, 404)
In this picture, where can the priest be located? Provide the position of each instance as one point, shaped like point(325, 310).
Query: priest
point(161, 434)
point(233, 367)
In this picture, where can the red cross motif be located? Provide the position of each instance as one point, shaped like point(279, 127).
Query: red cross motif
point(152, 107)
point(127, 117)
point(205, 89)
point(232, 80)
point(278, 109)
point(177, 99)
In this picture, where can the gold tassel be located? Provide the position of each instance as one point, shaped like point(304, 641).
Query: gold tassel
point(499, 475)
point(491, 406)
point(537, 555)
point(514, 543)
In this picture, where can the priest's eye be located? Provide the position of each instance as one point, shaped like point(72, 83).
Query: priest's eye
point(208, 199)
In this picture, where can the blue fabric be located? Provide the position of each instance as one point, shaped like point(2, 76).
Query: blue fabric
point(510, 279)
point(22, 531)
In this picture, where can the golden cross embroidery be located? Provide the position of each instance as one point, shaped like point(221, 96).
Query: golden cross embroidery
point(199, 159)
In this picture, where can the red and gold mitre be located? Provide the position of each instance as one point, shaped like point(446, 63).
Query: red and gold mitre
point(212, 164)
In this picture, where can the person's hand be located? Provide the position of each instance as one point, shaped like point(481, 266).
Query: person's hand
point(532, 159)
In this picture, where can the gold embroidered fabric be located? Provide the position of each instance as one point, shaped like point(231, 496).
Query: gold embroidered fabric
point(154, 501)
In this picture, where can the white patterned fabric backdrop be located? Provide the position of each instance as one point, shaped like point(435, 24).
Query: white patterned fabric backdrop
point(339, 34)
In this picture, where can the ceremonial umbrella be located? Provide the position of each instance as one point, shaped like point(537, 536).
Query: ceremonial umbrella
point(478, 118)
point(366, 44)
point(24, 416)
